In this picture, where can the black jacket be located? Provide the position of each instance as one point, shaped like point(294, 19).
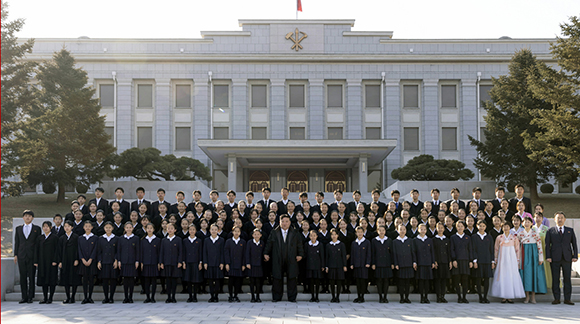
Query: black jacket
point(277, 249)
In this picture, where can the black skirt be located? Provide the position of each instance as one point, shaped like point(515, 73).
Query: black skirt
point(171, 271)
point(361, 273)
point(69, 275)
point(442, 271)
point(314, 274)
point(192, 273)
point(150, 270)
point(255, 272)
point(108, 272)
point(214, 273)
point(424, 273)
point(128, 270)
point(406, 273)
point(483, 271)
point(383, 272)
point(49, 276)
point(462, 268)
point(91, 270)
point(335, 274)
point(235, 273)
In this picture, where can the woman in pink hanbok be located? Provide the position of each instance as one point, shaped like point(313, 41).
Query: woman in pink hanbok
point(507, 282)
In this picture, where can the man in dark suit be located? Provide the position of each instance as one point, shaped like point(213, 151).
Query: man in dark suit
point(231, 203)
point(196, 198)
point(266, 201)
point(396, 195)
point(356, 195)
point(499, 194)
point(435, 202)
point(82, 199)
point(561, 252)
point(303, 198)
point(476, 193)
point(25, 237)
point(455, 198)
point(376, 194)
point(519, 189)
point(337, 200)
point(102, 203)
point(179, 196)
point(135, 204)
point(283, 203)
point(284, 249)
point(319, 197)
point(160, 200)
point(125, 207)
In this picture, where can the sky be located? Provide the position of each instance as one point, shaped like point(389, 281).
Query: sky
point(408, 19)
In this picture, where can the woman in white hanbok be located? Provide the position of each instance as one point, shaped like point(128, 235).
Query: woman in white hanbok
point(507, 282)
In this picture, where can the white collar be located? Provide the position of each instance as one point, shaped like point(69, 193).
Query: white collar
point(46, 236)
point(324, 233)
point(99, 224)
point(460, 236)
point(344, 233)
point(334, 243)
point(170, 238)
point(422, 238)
point(480, 235)
point(232, 204)
point(128, 237)
point(214, 239)
point(313, 244)
point(402, 239)
point(150, 238)
point(191, 239)
point(382, 240)
point(120, 200)
point(75, 223)
point(416, 203)
point(256, 242)
point(68, 235)
point(285, 201)
point(88, 236)
point(160, 202)
point(108, 237)
point(236, 240)
point(442, 237)
point(360, 241)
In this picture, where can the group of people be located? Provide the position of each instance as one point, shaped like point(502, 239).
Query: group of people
point(499, 247)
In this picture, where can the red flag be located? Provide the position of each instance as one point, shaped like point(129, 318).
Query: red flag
point(299, 5)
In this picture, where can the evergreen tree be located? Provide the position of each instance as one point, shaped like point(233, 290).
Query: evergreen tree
point(510, 112)
point(62, 141)
point(559, 142)
point(425, 168)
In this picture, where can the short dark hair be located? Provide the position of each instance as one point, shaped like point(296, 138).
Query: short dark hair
point(395, 192)
point(70, 223)
point(161, 190)
point(250, 193)
point(435, 190)
point(100, 189)
point(455, 189)
point(285, 188)
point(57, 215)
point(519, 185)
point(196, 192)
point(140, 189)
point(74, 202)
point(231, 192)
point(356, 192)
point(119, 188)
point(414, 190)
point(375, 191)
point(81, 195)
point(500, 189)
point(47, 223)
point(303, 194)
point(476, 189)
point(214, 192)
point(28, 212)
point(338, 191)
point(320, 193)
point(266, 189)
point(180, 192)
point(284, 216)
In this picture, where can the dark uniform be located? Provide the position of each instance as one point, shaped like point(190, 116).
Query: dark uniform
point(483, 253)
point(68, 253)
point(45, 255)
point(234, 256)
point(360, 257)
point(213, 256)
point(171, 255)
point(461, 252)
point(107, 255)
point(404, 257)
point(254, 256)
point(88, 251)
point(442, 249)
point(24, 249)
point(149, 257)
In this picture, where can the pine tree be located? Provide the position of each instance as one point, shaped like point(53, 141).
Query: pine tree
point(425, 168)
point(559, 142)
point(510, 112)
point(63, 140)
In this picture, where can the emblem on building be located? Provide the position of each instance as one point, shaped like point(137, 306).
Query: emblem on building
point(296, 36)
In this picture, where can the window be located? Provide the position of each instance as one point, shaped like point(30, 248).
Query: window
point(373, 133)
point(448, 96)
point(372, 96)
point(297, 96)
point(411, 138)
point(111, 132)
point(297, 133)
point(145, 95)
point(221, 95)
point(449, 139)
point(484, 93)
point(183, 138)
point(334, 96)
point(334, 133)
point(259, 97)
point(107, 95)
point(221, 132)
point(259, 133)
point(183, 96)
point(411, 96)
point(144, 137)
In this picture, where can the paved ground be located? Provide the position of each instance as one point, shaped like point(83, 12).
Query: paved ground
point(284, 312)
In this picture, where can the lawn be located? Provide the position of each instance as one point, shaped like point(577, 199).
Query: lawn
point(46, 206)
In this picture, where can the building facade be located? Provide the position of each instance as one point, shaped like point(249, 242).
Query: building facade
point(305, 104)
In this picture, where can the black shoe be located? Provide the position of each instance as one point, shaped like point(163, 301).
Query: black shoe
point(105, 301)
point(173, 301)
point(147, 301)
point(49, 301)
point(505, 301)
point(84, 301)
point(485, 300)
point(509, 301)
point(427, 301)
point(72, 301)
point(230, 299)
point(130, 300)
point(465, 301)
point(362, 300)
point(460, 300)
point(402, 301)
point(481, 301)
point(312, 300)
point(292, 300)
point(253, 300)
point(23, 301)
point(29, 301)
point(355, 300)
point(42, 301)
point(125, 301)
point(443, 300)
point(333, 300)
point(237, 300)
point(66, 301)
point(422, 300)
point(258, 300)
point(386, 300)
point(163, 291)
point(153, 301)
point(167, 301)
point(337, 300)
point(189, 300)
point(194, 300)
point(91, 301)
point(569, 302)
point(111, 301)
point(407, 301)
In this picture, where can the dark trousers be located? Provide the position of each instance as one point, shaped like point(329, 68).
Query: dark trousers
point(567, 273)
point(27, 272)
point(278, 287)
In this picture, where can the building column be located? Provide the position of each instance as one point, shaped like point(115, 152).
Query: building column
point(125, 115)
point(278, 110)
point(392, 116)
point(315, 95)
point(430, 119)
point(232, 171)
point(239, 109)
point(163, 131)
point(201, 125)
point(363, 172)
point(354, 122)
point(468, 123)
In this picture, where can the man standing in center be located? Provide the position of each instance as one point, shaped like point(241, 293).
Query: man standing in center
point(284, 249)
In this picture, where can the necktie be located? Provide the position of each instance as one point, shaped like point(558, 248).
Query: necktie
point(284, 235)
point(561, 231)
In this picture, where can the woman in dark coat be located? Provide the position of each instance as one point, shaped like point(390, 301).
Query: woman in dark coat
point(171, 260)
point(425, 254)
point(404, 258)
point(462, 261)
point(254, 256)
point(150, 247)
point(213, 259)
point(107, 262)
point(442, 272)
point(68, 262)
point(346, 237)
point(335, 264)
point(45, 260)
point(235, 264)
point(192, 263)
point(88, 262)
point(382, 262)
point(360, 263)
point(128, 260)
point(314, 250)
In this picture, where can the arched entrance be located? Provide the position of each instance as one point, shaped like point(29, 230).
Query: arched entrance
point(259, 180)
point(297, 181)
point(335, 180)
